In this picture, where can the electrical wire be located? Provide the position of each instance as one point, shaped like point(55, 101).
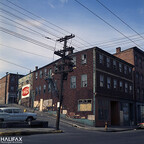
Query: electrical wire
point(31, 30)
point(27, 39)
point(114, 41)
point(51, 24)
point(106, 22)
point(32, 24)
point(120, 19)
point(15, 64)
point(25, 51)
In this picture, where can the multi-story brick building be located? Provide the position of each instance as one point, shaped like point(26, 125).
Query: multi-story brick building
point(8, 88)
point(100, 88)
point(135, 56)
point(23, 82)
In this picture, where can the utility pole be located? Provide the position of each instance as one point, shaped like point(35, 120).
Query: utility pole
point(63, 69)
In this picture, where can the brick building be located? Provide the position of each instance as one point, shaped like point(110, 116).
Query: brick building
point(22, 82)
point(135, 56)
point(99, 89)
point(8, 88)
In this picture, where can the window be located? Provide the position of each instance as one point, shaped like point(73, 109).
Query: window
point(44, 88)
point(108, 82)
point(137, 76)
point(17, 111)
point(130, 89)
point(114, 64)
point(120, 67)
point(101, 81)
point(101, 58)
point(84, 59)
point(121, 86)
point(41, 74)
point(125, 69)
point(126, 87)
point(12, 79)
point(39, 89)
point(1, 111)
point(74, 60)
point(108, 62)
point(50, 73)
point(138, 93)
point(45, 72)
point(84, 80)
point(8, 110)
point(49, 87)
point(85, 105)
point(36, 75)
point(36, 91)
point(73, 82)
point(55, 67)
point(12, 88)
point(140, 62)
point(115, 84)
point(130, 70)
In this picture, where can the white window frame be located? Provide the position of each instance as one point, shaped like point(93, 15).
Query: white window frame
point(101, 80)
point(115, 84)
point(84, 80)
point(83, 58)
point(73, 82)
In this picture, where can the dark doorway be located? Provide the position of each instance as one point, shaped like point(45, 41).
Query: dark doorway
point(114, 113)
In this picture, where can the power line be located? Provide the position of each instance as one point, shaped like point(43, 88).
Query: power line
point(15, 64)
point(106, 22)
point(32, 24)
point(49, 23)
point(27, 39)
point(42, 29)
point(25, 51)
point(120, 19)
point(117, 41)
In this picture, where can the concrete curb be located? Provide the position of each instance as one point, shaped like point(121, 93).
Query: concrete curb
point(28, 132)
point(103, 129)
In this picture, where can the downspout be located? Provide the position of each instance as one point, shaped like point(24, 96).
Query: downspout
point(94, 82)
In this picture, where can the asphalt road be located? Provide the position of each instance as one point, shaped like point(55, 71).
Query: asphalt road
point(73, 135)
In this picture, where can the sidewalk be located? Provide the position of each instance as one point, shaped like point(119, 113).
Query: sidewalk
point(101, 129)
point(27, 131)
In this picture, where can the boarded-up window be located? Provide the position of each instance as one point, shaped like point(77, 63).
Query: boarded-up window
point(85, 105)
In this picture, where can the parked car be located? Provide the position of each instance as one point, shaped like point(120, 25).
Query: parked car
point(16, 114)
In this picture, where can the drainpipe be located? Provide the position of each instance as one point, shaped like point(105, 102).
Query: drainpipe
point(94, 80)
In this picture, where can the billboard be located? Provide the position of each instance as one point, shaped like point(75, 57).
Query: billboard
point(26, 91)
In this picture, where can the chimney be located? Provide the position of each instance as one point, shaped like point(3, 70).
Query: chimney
point(36, 67)
point(118, 50)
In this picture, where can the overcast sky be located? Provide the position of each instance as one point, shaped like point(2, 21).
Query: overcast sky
point(24, 24)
